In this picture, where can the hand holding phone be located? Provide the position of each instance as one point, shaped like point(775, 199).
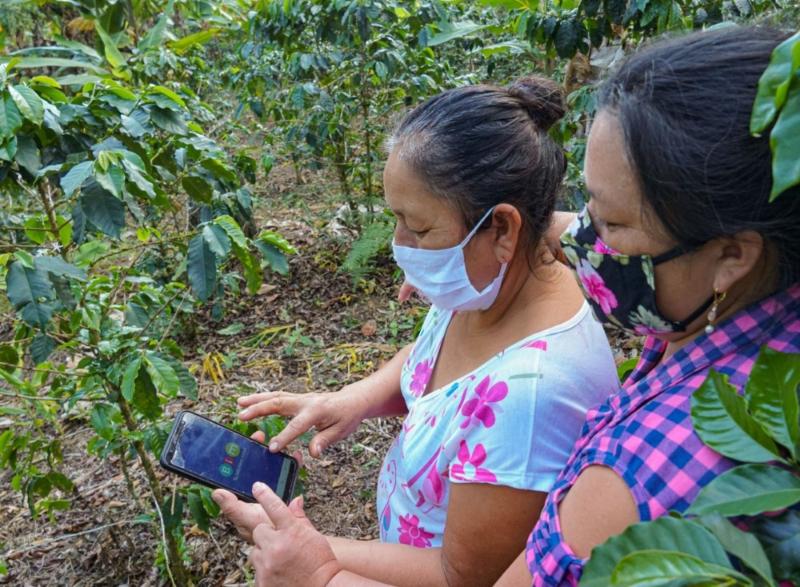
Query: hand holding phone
point(209, 453)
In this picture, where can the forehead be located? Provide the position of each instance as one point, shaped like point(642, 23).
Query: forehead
point(609, 175)
point(407, 194)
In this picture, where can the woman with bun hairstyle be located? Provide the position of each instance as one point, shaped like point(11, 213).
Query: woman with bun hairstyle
point(497, 385)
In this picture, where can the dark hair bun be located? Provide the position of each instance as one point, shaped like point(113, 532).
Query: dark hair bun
point(542, 99)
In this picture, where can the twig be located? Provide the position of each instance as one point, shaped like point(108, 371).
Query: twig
point(15, 553)
point(164, 539)
point(40, 370)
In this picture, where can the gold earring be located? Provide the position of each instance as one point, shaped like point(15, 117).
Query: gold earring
point(719, 297)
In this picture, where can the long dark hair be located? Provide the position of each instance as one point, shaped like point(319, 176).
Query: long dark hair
point(684, 106)
point(479, 146)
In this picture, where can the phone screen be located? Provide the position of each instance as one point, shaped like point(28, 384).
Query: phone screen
point(213, 453)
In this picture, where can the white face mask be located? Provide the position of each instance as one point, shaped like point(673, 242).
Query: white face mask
point(441, 275)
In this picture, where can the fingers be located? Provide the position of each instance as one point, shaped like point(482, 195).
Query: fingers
point(296, 507)
point(280, 403)
point(298, 456)
point(295, 428)
point(276, 510)
point(259, 436)
point(322, 441)
point(406, 291)
point(254, 398)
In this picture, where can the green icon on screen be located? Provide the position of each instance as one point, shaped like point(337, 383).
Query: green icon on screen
point(225, 470)
point(232, 449)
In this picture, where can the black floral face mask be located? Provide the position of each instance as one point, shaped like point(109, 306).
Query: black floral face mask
point(620, 288)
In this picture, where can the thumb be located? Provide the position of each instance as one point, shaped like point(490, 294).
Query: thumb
point(296, 507)
point(406, 291)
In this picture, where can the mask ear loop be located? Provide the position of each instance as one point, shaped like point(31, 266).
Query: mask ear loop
point(475, 228)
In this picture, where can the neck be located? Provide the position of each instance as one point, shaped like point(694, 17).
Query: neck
point(522, 289)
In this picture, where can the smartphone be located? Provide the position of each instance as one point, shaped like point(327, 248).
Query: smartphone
point(209, 453)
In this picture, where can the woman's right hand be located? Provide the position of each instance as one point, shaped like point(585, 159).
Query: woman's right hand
point(334, 415)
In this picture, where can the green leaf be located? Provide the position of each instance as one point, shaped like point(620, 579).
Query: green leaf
point(8, 150)
point(10, 117)
point(112, 54)
point(166, 98)
point(145, 396)
point(662, 534)
point(112, 180)
point(748, 490)
point(661, 567)
point(199, 513)
point(771, 393)
point(276, 240)
point(742, 545)
point(41, 348)
point(28, 156)
point(28, 102)
point(162, 374)
point(232, 229)
point(172, 511)
point(101, 420)
point(168, 120)
point(458, 30)
point(41, 62)
point(785, 142)
point(8, 355)
point(187, 382)
point(780, 536)
point(129, 378)
point(198, 188)
point(773, 85)
point(74, 178)
point(231, 329)
point(217, 240)
point(274, 257)
point(721, 419)
point(25, 289)
point(58, 266)
point(202, 268)
point(155, 36)
point(194, 39)
point(102, 209)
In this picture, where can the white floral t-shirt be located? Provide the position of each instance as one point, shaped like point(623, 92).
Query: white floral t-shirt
point(511, 422)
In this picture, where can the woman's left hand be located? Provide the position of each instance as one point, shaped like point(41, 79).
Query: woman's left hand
point(287, 549)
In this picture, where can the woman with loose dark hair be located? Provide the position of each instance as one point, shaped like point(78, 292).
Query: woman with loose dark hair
point(500, 378)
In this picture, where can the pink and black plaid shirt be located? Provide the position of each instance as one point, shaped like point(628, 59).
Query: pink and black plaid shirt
point(645, 434)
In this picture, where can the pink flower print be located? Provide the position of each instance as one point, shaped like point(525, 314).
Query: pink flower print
point(432, 488)
point(422, 374)
point(537, 344)
point(595, 287)
point(603, 248)
point(471, 463)
point(412, 533)
point(478, 407)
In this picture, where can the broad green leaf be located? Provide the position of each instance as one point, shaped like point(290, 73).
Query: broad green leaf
point(29, 103)
point(199, 513)
point(8, 150)
point(202, 268)
point(662, 534)
point(145, 396)
point(217, 240)
point(113, 179)
point(139, 178)
point(173, 102)
point(172, 511)
point(252, 269)
point(41, 62)
point(103, 210)
point(110, 50)
point(74, 178)
point(274, 257)
point(36, 229)
point(187, 382)
point(129, 378)
point(155, 36)
point(41, 348)
point(10, 117)
point(168, 120)
point(189, 41)
point(58, 266)
point(198, 188)
point(25, 285)
point(666, 568)
point(771, 393)
point(742, 545)
point(457, 30)
point(785, 142)
point(748, 490)
point(8, 355)
point(231, 329)
point(28, 156)
point(777, 75)
point(780, 536)
point(162, 374)
point(101, 418)
point(232, 229)
point(277, 241)
point(721, 419)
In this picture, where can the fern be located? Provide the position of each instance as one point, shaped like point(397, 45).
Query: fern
point(374, 240)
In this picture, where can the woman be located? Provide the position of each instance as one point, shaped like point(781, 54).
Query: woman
point(509, 358)
point(679, 194)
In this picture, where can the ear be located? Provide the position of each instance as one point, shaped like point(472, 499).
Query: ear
point(738, 256)
point(507, 226)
